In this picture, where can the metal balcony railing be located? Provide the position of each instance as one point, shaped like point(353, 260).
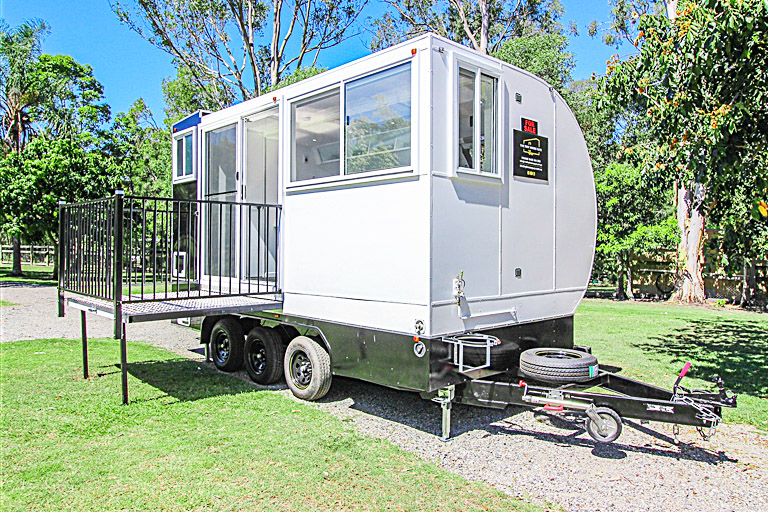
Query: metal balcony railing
point(128, 249)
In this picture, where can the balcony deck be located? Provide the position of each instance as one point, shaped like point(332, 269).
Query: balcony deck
point(169, 308)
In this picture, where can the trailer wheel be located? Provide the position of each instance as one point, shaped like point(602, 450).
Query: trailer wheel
point(263, 358)
point(558, 365)
point(227, 345)
point(286, 332)
point(611, 429)
point(307, 369)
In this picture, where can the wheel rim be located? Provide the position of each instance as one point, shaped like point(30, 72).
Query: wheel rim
point(221, 348)
point(611, 427)
point(257, 357)
point(301, 370)
point(558, 354)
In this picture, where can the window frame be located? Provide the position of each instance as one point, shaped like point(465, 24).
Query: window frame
point(341, 85)
point(478, 70)
point(182, 136)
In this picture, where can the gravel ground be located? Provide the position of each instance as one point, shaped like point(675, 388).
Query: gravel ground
point(536, 455)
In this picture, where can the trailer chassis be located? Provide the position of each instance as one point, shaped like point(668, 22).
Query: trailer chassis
point(625, 398)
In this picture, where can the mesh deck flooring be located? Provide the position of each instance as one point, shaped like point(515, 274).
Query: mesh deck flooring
point(182, 307)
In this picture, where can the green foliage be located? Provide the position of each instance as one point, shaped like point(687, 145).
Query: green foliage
point(507, 19)
point(544, 55)
point(32, 182)
point(187, 93)
point(19, 51)
point(623, 25)
point(597, 125)
point(70, 97)
point(142, 152)
point(296, 76)
point(702, 83)
point(635, 217)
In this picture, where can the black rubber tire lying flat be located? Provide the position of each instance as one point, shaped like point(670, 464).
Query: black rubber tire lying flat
point(264, 353)
point(558, 365)
point(613, 425)
point(307, 368)
point(226, 345)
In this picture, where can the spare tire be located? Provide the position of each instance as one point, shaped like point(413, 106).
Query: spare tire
point(503, 357)
point(558, 365)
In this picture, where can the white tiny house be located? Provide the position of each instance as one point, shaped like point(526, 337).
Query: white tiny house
point(425, 189)
point(423, 218)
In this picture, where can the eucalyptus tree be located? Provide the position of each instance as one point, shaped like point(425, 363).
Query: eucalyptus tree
point(483, 25)
point(700, 76)
point(243, 46)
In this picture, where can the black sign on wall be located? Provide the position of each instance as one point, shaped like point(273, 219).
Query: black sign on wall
point(531, 156)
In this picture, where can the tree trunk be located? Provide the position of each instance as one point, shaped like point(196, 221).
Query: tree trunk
point(485, 25)
point(749, 282)
point(16, 267)
point(691, 221)
point(621, 292)
point(629, 293)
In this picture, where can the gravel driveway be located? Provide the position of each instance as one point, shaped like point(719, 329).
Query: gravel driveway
point(541, 457)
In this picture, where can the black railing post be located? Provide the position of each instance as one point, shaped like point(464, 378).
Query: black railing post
point(118, 263)
point(60, 258)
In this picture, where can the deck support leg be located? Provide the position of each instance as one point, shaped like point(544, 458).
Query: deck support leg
point(445, 399)
point(124, 365)
point(84, 332)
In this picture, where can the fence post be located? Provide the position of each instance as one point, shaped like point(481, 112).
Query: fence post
point(60, 258)
point(118, 263)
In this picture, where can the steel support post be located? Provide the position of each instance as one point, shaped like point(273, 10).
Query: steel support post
point(124, 365)
point(84, 332)
point(445, 398)
point(60, 258)
point(118, 265)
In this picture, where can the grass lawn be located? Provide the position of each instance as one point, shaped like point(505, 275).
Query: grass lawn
point(193, 439)
point(33, 274)
point(6, 303)
point(652, 342)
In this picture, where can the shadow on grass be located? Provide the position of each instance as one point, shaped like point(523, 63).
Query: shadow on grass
point(186, 380)
point(734, 349)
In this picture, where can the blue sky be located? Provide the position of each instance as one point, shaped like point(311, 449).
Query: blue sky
point(131, 68)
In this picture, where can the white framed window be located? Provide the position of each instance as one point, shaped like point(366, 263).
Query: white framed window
point(377, 130)
point(184, 161)
point(477, 123)
point(361, 126)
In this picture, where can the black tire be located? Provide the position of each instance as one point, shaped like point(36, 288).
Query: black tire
point(263, 355)
point(558, 365)
point(612, 430)
point(307, 368)
point(286, 332)
point(503, 357)
point(226, 345)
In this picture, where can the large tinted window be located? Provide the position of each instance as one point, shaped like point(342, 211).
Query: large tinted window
point(378, 121)
point(316, 140)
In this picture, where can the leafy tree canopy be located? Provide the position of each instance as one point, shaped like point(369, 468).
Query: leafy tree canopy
point(483, 25)
point(702, 82)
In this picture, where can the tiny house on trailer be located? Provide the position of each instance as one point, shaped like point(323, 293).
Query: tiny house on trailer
point(421, 218)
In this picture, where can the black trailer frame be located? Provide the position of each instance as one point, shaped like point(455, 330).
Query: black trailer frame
point(117, 259)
